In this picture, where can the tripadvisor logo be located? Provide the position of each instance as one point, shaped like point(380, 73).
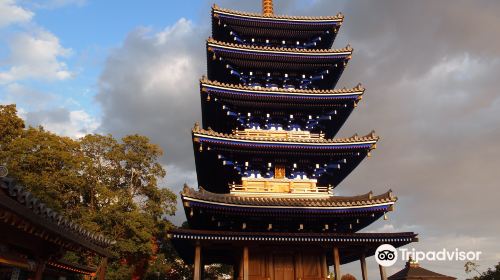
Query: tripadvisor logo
point(386, 255)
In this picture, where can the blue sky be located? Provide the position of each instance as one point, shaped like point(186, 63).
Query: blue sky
point(431, 74)
point(88, 30)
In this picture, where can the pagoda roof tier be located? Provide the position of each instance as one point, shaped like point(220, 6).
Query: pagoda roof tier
point(319, 111)
point(261, 59)
point(318, 54)
point(365, 142)
point(282, 18)
point(279, 27)
point(221, 246)
point(284, 212)
point(249, 92)
point(345, 204)
point(214, 151)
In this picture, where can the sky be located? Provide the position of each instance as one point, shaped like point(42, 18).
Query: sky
point(430, 68)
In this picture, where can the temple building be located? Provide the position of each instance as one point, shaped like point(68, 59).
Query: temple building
point(34, 239)
point(412, 270)
point(267, 157)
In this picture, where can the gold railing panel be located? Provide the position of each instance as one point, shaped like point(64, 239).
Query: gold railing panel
point(279, 186)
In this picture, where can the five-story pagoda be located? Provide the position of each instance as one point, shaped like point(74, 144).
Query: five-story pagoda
point(266, 157)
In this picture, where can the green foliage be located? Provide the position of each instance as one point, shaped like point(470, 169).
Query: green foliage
point(490, 274)
point(109, 186)
point(217, 271)
point(11, 126)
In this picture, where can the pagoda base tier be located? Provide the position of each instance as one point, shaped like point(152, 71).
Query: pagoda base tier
point(226, 247)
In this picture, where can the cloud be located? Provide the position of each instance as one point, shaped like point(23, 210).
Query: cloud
point(10, 13)
point(29, 98)
point(35, 55)
point(432, 96)
point(149, 86)
point(61, 121)
point(53, 4)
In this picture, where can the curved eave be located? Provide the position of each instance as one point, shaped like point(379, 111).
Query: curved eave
point(350, 238)
point(369, 208)
point(342, 94)
point(286, 201)
point(202, 136)
point(216, 46)
point(337, 20)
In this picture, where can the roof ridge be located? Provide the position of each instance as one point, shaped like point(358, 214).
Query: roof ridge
point(211, 40)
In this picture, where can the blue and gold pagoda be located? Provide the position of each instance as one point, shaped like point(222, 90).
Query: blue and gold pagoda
point(267, 159)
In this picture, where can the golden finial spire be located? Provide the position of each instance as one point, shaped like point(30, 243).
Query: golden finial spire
point(267, 7)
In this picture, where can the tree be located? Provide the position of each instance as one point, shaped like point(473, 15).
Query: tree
point(11, 126)
point(490, 274)
point(125, 202)
point(109, 186)
point(47, 165)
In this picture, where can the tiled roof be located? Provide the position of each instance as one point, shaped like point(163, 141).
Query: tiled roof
point(214, 43)
point(370, 138)
point(356, 90)
point(414, 271)
point(29, 202)
point(365, 200)
point(338, 17)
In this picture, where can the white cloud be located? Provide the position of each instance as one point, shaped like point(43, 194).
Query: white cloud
point(54, 4)
point(36, 55)
point(149, 86)
point(10, 13)
point(74, 124)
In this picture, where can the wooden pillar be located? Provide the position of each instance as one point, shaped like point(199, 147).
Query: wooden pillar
point(270, 265)
point(324, 266)
point(299, 272)
point(383, 274)
point(197, 262)
point(245, 263)
point(101, 275)
point(364, 272)
point(40, 268)
point(336, 263)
